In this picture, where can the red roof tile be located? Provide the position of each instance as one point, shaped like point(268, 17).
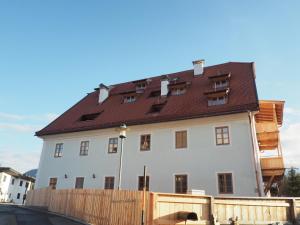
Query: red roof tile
point(192, 104)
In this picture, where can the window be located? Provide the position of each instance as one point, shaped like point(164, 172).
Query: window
point(181, 139)
point(140, 86)
point(84, 147)
point(154, 94)
point(88, 117)
point(26, 185)
point(79, 182)
point(113, 145)
point(217, 101)
point(9, 195)
point(4, 178)
point(21, 183)
point(180, 184)
point(145, 142)
point(222, 135)
point(225, 183)
point(109, 183)
point(141, 183)
point(156, 108)
point(178, 91)
point(53, 182)
point(221, 84)
point(58, 150)
point(18, 196)
point(129, 99)
point(12, 181)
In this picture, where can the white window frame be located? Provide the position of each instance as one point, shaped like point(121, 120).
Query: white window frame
point(212, 102)
point(60, 153)
point(229, 133)
point(187, 138)
point(217, 182)
point(174, 181)
point(109, 145)
point(114, 182)
point(88, 150)
point(84, 179)
point(129, 99)
point(56, 181)
point(140, 136)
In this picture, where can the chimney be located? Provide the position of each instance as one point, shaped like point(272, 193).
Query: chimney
point(164, 86)
point(198, 67)
point(103, 93)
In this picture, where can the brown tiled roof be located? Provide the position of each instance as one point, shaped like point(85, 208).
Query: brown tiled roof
point(192, 104)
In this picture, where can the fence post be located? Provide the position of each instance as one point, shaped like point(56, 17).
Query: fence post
point(293, 211)
point(211, 210)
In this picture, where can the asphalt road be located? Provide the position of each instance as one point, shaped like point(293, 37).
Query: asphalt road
point(13, 215)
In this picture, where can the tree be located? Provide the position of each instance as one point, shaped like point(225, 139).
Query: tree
point(291, 184)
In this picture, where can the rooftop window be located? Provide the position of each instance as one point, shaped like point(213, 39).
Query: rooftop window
point(88, 117)
point(178, 91)
point(154, 94)
point(221, 100)
point(221, 84)
point(129, 98)
point(141, 85)
point(156, 108)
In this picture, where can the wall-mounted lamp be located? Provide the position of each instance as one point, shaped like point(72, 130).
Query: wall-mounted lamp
point(94, 176)
point(66, 176)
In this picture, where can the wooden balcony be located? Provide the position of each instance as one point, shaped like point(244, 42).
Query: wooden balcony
point(272, 166)
point(268, 120)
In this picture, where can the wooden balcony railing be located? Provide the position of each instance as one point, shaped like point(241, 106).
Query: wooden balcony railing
point(272, 166)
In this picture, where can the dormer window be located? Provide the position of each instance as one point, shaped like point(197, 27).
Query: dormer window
point(154, 94)
point(129, 98)
point(178, 87)
point(221, 84)
point(178, 91)
point(220, 81)
point(88, 117)
point(141, 86)
point(221, 100)
point(156, 108)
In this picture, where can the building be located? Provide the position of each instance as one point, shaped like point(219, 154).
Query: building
point(200, 129)
point(14, 185)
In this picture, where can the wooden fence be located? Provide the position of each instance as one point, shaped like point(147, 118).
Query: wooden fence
point(111, 207)
point(223, 209)
point(98, 207)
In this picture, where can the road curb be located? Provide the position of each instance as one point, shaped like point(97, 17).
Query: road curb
point(53, 213)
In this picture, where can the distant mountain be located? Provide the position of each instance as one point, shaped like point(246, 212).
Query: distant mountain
point(31, 173)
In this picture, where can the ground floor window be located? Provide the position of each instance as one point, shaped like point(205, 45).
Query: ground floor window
point(79, 182)
point(109, 183)
point(18, 196)
point(53, 182)
point(181, 184)
point(225, 183)
point(141, 183)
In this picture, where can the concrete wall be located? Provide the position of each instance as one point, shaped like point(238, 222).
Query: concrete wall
point(10, 191)
point(201, 161)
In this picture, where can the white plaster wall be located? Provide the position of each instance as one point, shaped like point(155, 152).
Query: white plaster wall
point(202, 160)
point(4, 185)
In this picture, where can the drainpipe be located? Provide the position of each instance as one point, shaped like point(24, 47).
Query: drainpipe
point(257, 174)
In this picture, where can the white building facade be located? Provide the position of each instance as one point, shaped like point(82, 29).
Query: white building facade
point(201, 160)
point(14, 185)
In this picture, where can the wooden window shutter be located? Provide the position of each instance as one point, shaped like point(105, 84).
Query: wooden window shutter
point(181, 139)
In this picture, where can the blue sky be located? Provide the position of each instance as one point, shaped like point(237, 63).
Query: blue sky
point(53, 52)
